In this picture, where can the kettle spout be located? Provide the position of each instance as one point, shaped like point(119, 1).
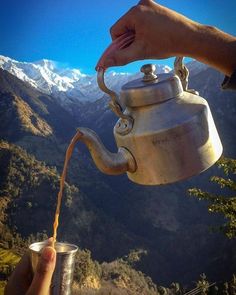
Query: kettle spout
point(107, 162)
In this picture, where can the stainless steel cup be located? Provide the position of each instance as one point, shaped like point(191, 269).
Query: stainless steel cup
point(63, 275)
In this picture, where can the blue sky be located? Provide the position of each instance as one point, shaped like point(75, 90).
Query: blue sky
point(76, 32)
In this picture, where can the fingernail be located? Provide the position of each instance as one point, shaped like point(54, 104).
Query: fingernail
point(48, 254)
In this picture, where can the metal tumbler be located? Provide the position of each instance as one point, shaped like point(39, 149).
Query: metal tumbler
point(63, 274)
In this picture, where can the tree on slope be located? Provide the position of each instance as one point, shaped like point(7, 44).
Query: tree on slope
point(220, 203)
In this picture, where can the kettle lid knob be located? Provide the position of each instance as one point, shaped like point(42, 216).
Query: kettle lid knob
point(149, 72)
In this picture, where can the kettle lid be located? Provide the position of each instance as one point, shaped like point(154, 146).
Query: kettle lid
point(150, 89)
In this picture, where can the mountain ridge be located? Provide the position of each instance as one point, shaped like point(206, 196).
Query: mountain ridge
point(65, 83)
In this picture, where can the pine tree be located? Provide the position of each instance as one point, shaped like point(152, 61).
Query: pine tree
point(225, 205)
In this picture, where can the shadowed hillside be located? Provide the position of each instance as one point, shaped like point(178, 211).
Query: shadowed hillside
point(108, 215)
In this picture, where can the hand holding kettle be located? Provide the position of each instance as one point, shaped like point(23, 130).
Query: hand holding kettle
point(161, 33)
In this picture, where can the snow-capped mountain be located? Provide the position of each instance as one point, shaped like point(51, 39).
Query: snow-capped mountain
point(70, 85)
point(43, 75)
point(66, 83)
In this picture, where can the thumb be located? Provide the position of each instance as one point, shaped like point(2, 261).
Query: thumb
point(44, 271)
point(135, 51)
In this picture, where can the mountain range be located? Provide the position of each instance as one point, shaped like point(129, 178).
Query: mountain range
point(64, 83)
point(40, 108)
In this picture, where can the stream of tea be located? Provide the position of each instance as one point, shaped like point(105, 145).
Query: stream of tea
point(69, 152)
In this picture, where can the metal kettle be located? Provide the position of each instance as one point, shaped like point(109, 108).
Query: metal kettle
point(165, 133)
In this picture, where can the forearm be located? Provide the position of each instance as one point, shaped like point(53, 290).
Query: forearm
point(213, 47)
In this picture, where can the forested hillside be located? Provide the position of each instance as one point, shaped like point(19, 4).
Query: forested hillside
point(132, 238)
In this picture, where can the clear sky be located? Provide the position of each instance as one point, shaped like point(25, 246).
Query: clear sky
point(75, 32)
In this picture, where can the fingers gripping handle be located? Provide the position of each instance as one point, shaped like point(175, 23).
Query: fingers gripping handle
point(120, 43)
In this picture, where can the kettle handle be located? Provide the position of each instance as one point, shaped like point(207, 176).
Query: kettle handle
point(126, 123)
point(182, 72)
point(114, 102)
point(121, 42)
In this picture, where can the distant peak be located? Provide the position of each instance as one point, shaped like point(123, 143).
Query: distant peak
point(6, 59)
point(50, 64)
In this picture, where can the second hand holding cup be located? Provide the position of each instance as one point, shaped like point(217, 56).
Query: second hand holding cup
point(63, 274)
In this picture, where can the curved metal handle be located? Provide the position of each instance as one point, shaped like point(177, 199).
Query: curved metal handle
point(126, 123)
point(183, 73)
point(120, 43)
point(114, 104)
